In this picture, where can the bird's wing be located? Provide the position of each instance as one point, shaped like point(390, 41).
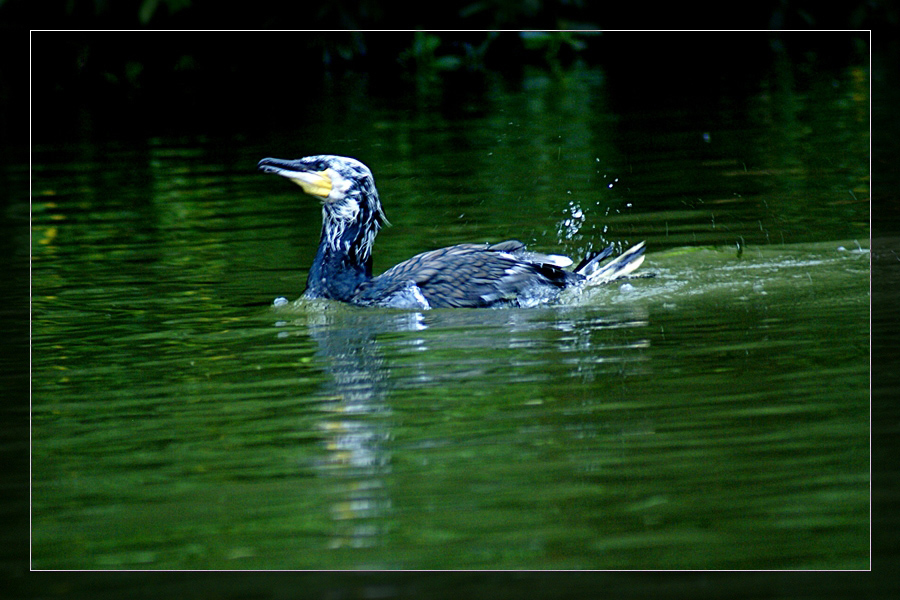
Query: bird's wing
point(469, 275)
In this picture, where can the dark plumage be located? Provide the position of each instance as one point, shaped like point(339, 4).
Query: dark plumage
point(473, 275)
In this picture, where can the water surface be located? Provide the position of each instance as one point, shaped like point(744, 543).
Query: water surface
point(714, 416)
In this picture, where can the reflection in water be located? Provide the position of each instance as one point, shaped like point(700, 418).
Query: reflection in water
point(354, 424)
point(369, 353)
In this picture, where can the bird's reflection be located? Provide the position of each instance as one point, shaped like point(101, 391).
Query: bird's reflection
point(368, 354)
point(354, 424)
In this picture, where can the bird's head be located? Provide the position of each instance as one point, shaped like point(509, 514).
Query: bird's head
point(351, 210)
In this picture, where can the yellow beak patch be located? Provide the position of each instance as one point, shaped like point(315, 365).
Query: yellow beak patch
point(316, 183)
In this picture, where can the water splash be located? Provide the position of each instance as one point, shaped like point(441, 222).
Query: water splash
point(568, 228)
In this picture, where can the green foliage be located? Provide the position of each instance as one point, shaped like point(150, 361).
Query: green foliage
point(149, 8)
point(430, 53)
point(424, 58)
point(553, 43)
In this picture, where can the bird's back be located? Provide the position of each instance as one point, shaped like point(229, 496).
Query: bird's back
point(468, 275)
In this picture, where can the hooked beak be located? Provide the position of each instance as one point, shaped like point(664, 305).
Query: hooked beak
point(314, 183)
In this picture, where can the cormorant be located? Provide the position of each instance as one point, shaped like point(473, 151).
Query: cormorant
point(472, 275)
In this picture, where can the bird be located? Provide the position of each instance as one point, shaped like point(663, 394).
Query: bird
point(473, 275)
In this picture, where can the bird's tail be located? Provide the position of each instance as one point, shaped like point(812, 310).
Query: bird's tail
point(620, 266)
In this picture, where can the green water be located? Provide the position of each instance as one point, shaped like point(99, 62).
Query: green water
point(715, 416)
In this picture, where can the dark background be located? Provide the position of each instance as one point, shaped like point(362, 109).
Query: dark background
point(468, 14)
point(125, 72)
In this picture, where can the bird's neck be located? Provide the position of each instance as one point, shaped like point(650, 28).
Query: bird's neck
point(342, 263)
